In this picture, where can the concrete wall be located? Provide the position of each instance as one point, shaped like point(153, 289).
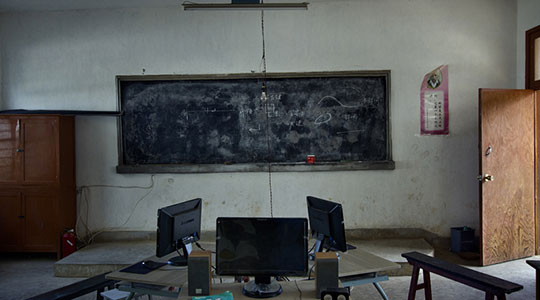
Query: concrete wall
point(69, 59)
point(528, 16)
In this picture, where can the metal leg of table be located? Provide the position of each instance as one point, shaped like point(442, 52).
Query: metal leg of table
point(380, 290)
point(366, 278)
point(131, 294)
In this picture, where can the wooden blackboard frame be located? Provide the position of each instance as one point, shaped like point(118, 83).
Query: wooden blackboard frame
point(260, 166)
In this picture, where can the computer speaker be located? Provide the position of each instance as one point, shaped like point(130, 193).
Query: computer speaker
point(326, 271)
point(335, 294)
point(199, 273)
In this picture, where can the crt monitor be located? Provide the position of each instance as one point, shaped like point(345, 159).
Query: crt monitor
point(179, 225)
point(264, 248)
point(327, 225)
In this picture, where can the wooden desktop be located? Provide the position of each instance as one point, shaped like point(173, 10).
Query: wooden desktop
point(356, 267)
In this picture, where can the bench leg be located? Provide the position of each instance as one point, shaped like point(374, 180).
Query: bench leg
point(427, 285)
point(415, 286)
point(537, 284)
point(98, 294)
point(414, 283)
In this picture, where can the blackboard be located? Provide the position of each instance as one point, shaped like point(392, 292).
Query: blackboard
point(219, 123)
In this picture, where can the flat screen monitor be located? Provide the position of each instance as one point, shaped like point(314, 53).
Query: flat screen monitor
point(179, 225)
point(261, 247)
point(327, 224)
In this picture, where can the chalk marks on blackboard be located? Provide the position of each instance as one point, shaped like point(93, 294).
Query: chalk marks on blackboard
point(211, 110)
point(336, 100)
point(324, 118)
point(349, 131)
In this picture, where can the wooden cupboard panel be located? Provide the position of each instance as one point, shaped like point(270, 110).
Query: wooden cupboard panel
point(40, 163)
point(507, 154)
point(41, 229)
point(9, 142)
point(11, 224)
point(41, 176)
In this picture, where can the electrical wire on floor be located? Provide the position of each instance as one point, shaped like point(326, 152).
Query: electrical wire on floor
point(299, 290)
point(84, 198)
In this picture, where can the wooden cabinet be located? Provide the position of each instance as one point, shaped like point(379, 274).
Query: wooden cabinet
point(9, 139)
point(37, 181)
point(11, 220)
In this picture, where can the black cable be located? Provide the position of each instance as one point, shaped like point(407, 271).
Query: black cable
point(309, 273)
point(269, 162)
point(200, 247)
point(300, 291)
point(312, 248)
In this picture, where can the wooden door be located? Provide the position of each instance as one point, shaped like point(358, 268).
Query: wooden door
point(9, 157)
point(41, 221)
point(506, 143)
point(11, 220)
point(40, 163)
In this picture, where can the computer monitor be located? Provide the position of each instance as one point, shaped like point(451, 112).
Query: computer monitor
point(264, 248)
point(327, 225)
point(179, 225)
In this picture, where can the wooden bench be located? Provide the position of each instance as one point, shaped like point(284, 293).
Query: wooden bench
point(492, 285)
point(97, 283)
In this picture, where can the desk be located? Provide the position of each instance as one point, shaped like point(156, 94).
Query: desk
point(356, 267)
point(291, 290)
point(154, 282)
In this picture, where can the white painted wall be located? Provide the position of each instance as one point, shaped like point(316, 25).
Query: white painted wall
point(69, 59)
point(528, 16)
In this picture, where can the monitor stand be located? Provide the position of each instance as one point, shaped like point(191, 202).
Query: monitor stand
point(320, 245)
point(181, 260)
point(319, 242)
point(262, 287)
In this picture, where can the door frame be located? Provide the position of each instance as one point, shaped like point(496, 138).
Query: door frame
point(530, 49)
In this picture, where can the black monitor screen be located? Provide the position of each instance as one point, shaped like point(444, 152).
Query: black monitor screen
point(177, 224)
point(326, 221)
point(261, 246)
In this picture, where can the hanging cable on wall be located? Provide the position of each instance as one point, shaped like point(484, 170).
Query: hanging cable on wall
point(264, 99)
point(82, 191)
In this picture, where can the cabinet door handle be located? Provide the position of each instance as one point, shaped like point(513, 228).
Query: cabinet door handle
point(20, 217)
point(20, 150)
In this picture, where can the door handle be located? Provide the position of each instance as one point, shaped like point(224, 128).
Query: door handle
point(485, 178)
point(20, 150)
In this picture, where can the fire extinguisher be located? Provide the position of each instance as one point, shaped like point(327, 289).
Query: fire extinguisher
point(68, 243)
